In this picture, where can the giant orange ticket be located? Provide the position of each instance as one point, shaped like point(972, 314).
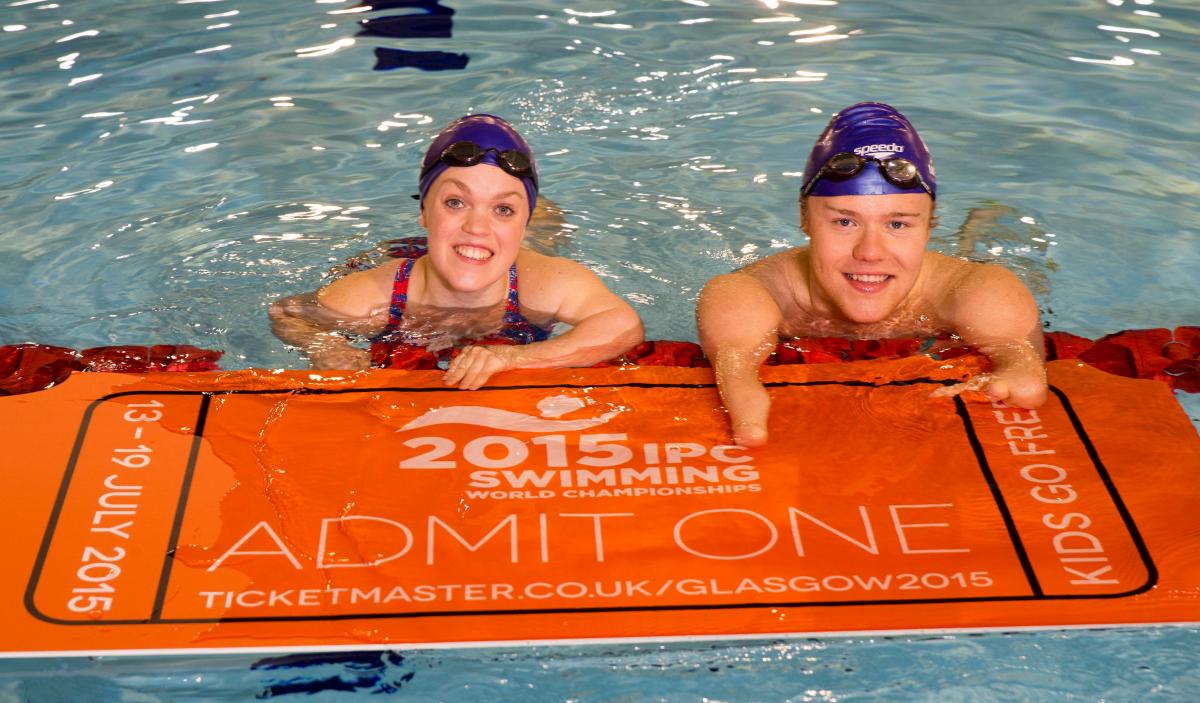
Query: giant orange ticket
point(292, 510)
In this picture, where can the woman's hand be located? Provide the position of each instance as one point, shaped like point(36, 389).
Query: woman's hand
point(474, 365)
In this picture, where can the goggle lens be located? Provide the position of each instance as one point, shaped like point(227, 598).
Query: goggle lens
point(900, 172)
point(844, 165)
point(466, 153)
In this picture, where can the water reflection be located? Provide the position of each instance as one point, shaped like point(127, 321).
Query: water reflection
point(325, 49)
point(817, 34)
point(1129, 30)
point(432, 20)
point(1114, 61)
point(631, 108)
point(78, 35)
point(83, 79)
point(798, 77)
point(1122, 34)
point(775, 4)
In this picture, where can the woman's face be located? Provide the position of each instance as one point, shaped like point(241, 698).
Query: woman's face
point(475, 217)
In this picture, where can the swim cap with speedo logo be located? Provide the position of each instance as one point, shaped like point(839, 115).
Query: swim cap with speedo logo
point(875, 132)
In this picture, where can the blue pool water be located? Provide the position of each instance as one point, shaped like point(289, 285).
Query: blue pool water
point(170, 168)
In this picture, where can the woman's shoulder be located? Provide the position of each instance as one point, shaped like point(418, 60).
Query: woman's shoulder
point(537, 265)
point(362, 293)
point(556, 283)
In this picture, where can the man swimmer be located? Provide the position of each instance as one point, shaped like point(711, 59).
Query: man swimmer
point(866, 204)
point(478, 187)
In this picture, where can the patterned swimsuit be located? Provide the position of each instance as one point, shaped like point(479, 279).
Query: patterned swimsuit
point(516, 329)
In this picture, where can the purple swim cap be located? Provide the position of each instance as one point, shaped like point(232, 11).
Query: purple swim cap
point(487, 131)
point(875, 132)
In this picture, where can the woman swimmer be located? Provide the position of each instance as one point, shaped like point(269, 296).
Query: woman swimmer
point(478, 189)
point(866, 205)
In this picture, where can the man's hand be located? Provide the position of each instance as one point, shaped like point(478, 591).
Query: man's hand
point(1021, 388)
point(748, 405)
point(1018, 387)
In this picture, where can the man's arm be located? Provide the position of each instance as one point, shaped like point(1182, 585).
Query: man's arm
point(603, 325)
point(738, 321)
point(995, 313)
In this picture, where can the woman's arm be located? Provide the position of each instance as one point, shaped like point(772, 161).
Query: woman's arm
point(314, 322)
point(603, 325)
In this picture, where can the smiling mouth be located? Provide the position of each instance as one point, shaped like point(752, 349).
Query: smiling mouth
point(473, 253)
point(868, 278)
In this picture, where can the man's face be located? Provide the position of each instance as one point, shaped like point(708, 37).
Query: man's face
point(865, 252)
point(475, 217)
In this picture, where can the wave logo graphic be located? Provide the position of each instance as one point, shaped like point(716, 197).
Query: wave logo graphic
point(549, 409)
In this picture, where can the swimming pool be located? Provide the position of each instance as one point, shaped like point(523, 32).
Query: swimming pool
point(173, 167)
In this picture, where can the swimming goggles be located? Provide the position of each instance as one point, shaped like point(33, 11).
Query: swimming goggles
point(464, 153)
point(900, 172)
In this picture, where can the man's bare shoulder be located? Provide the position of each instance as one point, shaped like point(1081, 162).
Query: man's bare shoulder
point(953, 284)
point(947, 274)
point(942, 273)
point(784, 275)
point(777, 264)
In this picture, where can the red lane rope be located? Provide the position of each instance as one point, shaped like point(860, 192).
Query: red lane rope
point(1169, 356)
point(32, 367)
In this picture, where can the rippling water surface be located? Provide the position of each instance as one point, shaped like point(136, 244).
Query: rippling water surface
point(171, 167)
point(1117, 666)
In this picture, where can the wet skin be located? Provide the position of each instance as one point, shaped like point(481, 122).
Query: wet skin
point(865, 274)
point(475, 218)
